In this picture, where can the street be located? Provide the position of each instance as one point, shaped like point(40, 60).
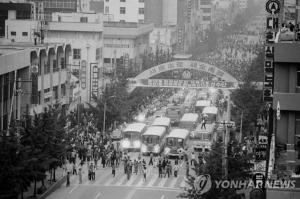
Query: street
point(106, 186)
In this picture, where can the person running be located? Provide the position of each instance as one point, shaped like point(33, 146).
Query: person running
point(145, 172)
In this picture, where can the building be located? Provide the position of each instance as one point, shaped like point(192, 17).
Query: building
point(84, 31)
point(124, 43)
point(161, 12)
point(45, 8)
point(21, 11)
point(41, 79)
point(163, 38)
point(206, 9)
point(124, 10)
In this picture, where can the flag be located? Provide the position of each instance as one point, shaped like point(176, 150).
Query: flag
point(278, 111)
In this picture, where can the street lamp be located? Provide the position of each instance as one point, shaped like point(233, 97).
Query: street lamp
point(104, 111)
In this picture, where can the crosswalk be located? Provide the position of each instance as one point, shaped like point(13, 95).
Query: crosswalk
point(104, 177)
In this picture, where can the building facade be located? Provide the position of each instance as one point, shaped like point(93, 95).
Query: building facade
point(124, 10)
point(124, 43)
point(42, 80)
point(163, 38)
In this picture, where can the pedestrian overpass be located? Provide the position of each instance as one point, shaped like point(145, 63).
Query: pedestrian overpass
point(145, 79)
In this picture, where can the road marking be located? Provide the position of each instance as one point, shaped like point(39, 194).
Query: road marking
point(183, 183)
point(162, 197)
point(73, 189)
point(173, 182)
point(131, 193)
point(153, 179)
point(162, 182)
point(123, 178)
point(181, 165)
point(98, 195)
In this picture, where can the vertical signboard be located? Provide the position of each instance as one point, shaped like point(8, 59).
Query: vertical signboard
point(273, 8)
point(94, 79)
point(34, 84)
point(83, 74)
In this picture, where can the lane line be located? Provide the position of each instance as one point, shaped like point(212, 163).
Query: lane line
point(162, 197)
point(73, 189)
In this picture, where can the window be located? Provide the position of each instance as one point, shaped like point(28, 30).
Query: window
point(55, 91)
point(13, 33)
point(106, 11)
point(122, 10)
point(107, 0)
point(141, 1)
point(141, 11)
point(141, 21)
point(122, 21)
point(206, 18)
point(98, 53)
point(122, 0)
point(62, 63)
point(206, 10)
point(106, 60)
point(24, 34)
point(55, 68)
point(298, 76)
point(205, 2)
point(63, 90)
point(83, 19)
point(76, 53)
point(46, 68)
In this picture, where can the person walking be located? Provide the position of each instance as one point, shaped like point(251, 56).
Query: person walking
point(135, 164)
point(187, 169)
point(193, 158)
point(159, 169)
point(68, 179)
point(176, 167)
point(203, 123)
point(113, 168)
point(145, 172)
point(167, 170)
point(151, 159)
point(80, 175)
point(74, 169)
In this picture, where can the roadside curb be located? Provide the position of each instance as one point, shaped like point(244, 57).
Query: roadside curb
point(53, 188)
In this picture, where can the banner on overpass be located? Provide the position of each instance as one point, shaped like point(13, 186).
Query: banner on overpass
point(181, 83)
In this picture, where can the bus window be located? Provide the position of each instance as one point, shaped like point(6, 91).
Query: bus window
point(180, 142)
point(127, 136)
point(170, 142)
point(151, 139)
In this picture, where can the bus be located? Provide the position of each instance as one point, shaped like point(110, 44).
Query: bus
point(176, 141)
point(201, 104)
point(162, 121)
point(189, 121)
point(211, 113)
point(132, 136)
point(174, 112)
point(153, 140)
point(201, 139)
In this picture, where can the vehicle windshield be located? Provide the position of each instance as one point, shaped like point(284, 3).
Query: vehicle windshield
point(151, 139)
point(175, 142)
point(131, 135)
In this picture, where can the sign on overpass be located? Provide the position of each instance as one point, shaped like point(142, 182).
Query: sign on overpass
point(178, 83)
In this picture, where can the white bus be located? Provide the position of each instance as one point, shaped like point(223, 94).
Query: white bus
point(201, 139)
point(189, 121)
point(132, 136)
point(162, 121)
point(153, 140)
point(211, 113)
point(176, 141)
point(201, 104)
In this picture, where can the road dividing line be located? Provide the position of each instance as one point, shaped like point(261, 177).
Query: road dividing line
point(96, 197)
point(162, 197)
point(73, 189)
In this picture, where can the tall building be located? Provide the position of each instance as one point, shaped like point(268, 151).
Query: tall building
point(169, 12)
point(124, 10)
point(154, 12)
